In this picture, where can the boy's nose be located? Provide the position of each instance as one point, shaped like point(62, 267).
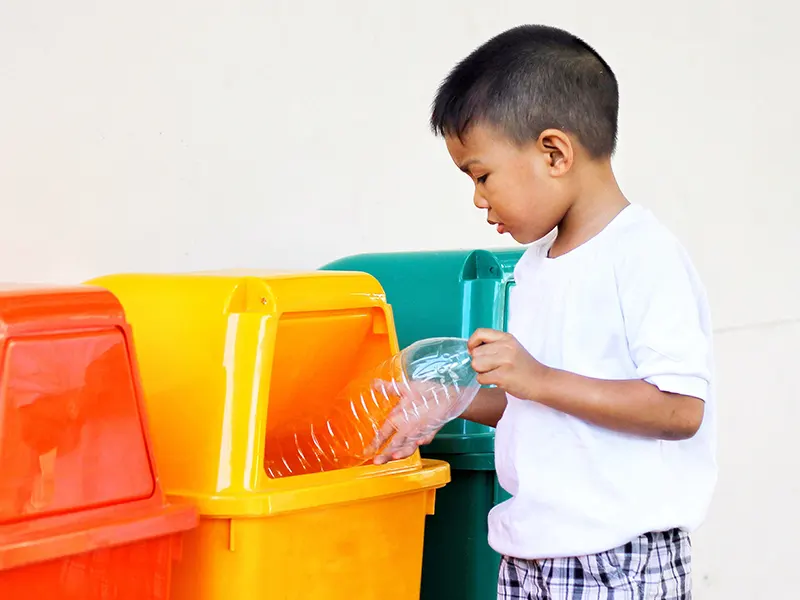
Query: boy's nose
point(479, 201)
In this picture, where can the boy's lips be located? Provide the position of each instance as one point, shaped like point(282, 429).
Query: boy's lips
point(501, 227)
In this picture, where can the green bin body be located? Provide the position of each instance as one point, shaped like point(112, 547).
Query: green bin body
point(452, 293)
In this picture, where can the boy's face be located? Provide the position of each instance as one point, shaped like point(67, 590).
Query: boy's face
point(516, 185)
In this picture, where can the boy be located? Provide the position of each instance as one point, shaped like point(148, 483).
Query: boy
point(604, 402)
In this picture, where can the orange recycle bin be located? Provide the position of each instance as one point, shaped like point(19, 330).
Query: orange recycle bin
point(82, 515)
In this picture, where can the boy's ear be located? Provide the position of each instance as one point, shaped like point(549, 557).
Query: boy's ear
point(558, 151)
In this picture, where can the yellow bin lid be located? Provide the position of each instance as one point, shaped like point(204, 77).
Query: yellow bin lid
point(228, 358)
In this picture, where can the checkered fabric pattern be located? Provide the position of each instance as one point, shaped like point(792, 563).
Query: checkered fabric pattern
point(655, 566)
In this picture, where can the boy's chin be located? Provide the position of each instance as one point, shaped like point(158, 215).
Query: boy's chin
point(528, 237)
point(520, 238)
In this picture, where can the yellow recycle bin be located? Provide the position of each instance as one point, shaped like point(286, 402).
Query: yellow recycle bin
point(227, 359)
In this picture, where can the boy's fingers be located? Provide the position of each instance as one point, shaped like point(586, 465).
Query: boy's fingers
point(484, 364)
point(403, 411)
point(406, 426)
point(484, 336)
point(426, 440)
point(382, 436)
point(384, 456)
point(490, 378)
point(404, 451)
point(400, 447)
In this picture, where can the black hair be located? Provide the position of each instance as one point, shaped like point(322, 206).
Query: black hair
point(529, 79)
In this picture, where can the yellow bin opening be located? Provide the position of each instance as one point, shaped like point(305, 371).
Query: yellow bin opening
point(228, 361)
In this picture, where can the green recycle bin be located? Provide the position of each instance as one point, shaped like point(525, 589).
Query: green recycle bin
point(451, 293)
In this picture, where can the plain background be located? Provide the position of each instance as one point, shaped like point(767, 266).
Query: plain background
point(167, 135)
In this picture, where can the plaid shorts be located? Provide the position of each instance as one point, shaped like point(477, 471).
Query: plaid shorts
point(653, 566)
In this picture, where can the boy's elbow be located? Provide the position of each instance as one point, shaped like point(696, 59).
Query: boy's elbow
point(685, 419)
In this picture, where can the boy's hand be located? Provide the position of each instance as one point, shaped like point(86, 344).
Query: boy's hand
point(499, 359)
point(412, 423)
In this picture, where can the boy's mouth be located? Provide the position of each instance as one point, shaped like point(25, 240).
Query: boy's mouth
point(501, 228)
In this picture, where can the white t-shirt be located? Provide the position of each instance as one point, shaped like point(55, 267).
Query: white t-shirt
point(627, 304)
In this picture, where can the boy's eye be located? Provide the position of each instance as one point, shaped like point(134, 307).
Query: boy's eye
point(482, 178)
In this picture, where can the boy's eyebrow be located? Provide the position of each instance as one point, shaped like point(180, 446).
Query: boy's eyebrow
point(466, 165)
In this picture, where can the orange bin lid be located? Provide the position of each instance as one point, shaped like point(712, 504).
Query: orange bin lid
point(74, 447)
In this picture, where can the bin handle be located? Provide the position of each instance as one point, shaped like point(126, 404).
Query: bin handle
point(430, 502)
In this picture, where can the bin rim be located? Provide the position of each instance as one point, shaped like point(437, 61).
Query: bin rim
point(460, 443)
point(304, 492)
point(24, 544)
point(483, 461)
point(454, 252)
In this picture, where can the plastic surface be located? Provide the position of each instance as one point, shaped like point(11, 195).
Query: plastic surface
point(360, 549)
point(410, 396)
point(452, 294)
point(139, 571)
point(444, 293)
point(230, 360)
point(70, 433)
point(81, 511)
point(458, 562)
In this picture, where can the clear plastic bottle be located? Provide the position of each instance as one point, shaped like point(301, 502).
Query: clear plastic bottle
point(413, 394)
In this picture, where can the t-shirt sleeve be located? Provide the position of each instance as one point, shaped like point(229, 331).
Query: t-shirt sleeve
point(666, 316)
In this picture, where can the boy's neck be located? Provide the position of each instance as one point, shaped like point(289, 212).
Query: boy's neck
point(599, 200)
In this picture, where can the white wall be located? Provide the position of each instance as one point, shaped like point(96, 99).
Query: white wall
point(178, 135)
point(746, 548)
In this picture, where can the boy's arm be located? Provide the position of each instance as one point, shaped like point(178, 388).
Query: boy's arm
point(487, 407)
point(629, 406)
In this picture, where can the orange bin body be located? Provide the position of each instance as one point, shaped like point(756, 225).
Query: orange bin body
point(82, 514)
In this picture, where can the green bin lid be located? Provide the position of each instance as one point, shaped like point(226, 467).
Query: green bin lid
point(466, 462)
point(440, 294)
point(467, 443)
